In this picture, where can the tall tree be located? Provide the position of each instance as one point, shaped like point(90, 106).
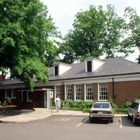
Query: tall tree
point(24, 39)
point(95, 32)
point(132, 38)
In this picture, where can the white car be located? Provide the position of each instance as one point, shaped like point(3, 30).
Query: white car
point(134, 112)
point(101, 111)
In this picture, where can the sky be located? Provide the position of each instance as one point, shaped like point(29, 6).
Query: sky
point(63, 12)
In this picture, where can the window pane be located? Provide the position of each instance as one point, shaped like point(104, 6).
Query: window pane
point(58, 91)
point(69, 92)
point(79, 92)
point(103, 91)
point(89, 92)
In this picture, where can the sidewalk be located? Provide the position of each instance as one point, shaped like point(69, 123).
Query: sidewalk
point(41, 113)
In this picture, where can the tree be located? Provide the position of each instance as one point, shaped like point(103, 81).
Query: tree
point(132, 29)
point(24, 38)
point(95, 32)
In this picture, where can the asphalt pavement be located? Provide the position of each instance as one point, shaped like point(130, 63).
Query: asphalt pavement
point(28, 115)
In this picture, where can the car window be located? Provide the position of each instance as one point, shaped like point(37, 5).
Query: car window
point(136, 105)
point(101, 105)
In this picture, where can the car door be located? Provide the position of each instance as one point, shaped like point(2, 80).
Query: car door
point(131, 109)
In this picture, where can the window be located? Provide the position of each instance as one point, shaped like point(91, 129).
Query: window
point(58, 91)
point(7, 93)
point(89, 92)
point(56, 70)
point(13, 93)
point(89, 66)
point(69, 92)
point(103, 91)
point(79, 92)
point(29, 96)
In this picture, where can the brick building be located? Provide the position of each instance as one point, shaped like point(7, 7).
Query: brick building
point(92, 79)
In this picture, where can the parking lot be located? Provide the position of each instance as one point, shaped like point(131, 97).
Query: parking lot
point(68, 128)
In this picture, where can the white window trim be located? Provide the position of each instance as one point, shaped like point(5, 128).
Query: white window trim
point(12, 95)
point(99, 91)
point(75, 92)
point(66, 91)
point(28, 97)
point(86, 91)
point(6, 94)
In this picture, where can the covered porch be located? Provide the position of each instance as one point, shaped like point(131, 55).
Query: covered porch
point(38, 98)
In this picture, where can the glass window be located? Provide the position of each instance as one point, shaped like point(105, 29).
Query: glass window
point(29, 96)
point(101, 105)
point(89, 66)
point(56, 70)
point(13, 93)
point(103, 91)
point(69, 92)
point(58, 91)
point(79, 92)
point(7, 93)
point(89, 92)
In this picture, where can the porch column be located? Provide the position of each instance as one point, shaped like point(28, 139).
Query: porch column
point(84, 92)
point(74, 92)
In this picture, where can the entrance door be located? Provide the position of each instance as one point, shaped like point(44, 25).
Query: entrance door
point(45, 99)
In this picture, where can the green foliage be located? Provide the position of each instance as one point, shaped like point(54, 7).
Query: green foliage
point(126, 104)
point(7, 102)
point(86, 110)
point(86, 105)
point(4, 103)
point(112, 103)
point(132, 29)
point(77, 105)
point(25, 34)
point(99, 30)
point(120, 111)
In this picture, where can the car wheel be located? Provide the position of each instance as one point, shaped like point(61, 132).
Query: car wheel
point(91, 121)
point(111, 120)
point(134, 120)
point(128, 115)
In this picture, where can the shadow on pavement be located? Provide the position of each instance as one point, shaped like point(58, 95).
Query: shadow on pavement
point(128, 122)
point(7, 111)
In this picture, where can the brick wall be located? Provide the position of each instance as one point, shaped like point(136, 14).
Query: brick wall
point(95, 91)
point(124, 90)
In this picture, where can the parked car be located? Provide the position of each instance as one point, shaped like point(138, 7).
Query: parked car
point(134, 112)
point(101, 111)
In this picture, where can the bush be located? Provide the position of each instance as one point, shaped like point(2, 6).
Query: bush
point(111, 101)
point(77, 104)
point(120, 111)
point(126, 104)
point(4, 103)
point(86, 110)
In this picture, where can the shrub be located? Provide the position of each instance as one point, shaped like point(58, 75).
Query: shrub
point(111, 101)
point(120, 111)
point(4, 103)
point(126, 104)
point(86, 110)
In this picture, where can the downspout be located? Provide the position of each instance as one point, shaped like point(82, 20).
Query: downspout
point(113, 88)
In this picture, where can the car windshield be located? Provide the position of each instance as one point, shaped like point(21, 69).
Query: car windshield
point(101, 105)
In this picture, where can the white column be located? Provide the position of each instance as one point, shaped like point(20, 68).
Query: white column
point(65, 92)
point(84, 92)
point(54, 92)
point(74, 92)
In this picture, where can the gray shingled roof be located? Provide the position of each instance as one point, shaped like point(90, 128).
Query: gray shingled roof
point(112, 66)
